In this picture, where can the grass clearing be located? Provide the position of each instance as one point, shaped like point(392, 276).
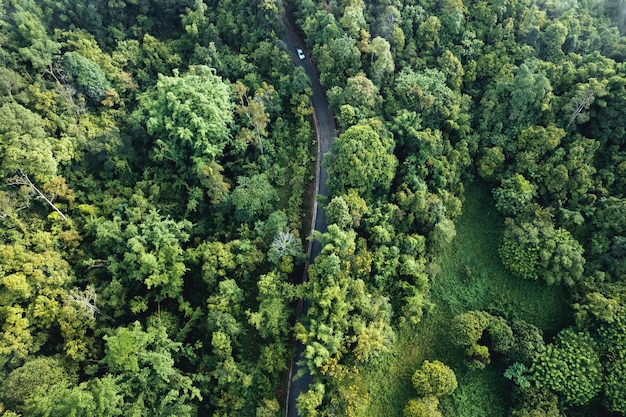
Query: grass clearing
point(471, 278)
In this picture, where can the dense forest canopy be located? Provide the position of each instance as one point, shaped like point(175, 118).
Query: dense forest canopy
point(157, 161)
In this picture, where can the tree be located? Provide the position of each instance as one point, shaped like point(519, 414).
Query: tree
point(381, 59)
point(34, 278)
point(353, 19)
point(434, 378)
point(10, 83)
point(363, 161)
point(309, 401)
point(534, 249)
point(491, 162)
point(254, 198)
point(339, 59)
point(143, 367)
point(442, 235)
point(344, 316)
point(88, 75)
point(22, 383)
point(254, 110)
point(21, 180)
point(514, 195)
point(534, 402)
point(188, 117)
point(99, 397)
point(144, 251)
point(272, 319)
point(360, 94)
point(31, 38)
point(423, 407)
point(426, 92)
point(467, 328)
point(570, 367)
point(528, 94)
point(612, 343)
point(585, 95)
point(25, 145)
point(337, 212)
point(428, 34)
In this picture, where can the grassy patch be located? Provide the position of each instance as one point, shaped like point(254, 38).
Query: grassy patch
point(471, 278)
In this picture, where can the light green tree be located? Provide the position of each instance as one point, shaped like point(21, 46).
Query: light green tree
point(423, 407)
point(188, 116)
point(25, 145)
point(434, 378)
point(143, 367)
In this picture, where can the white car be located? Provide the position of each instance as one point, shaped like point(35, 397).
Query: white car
point(300, 53)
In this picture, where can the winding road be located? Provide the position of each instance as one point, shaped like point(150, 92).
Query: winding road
point(326, 133)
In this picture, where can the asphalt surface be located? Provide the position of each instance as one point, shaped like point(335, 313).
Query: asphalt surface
point(326, 133)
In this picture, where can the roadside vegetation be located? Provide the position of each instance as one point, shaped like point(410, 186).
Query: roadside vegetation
point(155, 162)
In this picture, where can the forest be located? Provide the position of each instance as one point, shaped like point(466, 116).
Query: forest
point(157, 176)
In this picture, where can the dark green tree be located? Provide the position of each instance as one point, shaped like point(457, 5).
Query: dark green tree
point(534, 249)
point(87, 75)
point(570, 367)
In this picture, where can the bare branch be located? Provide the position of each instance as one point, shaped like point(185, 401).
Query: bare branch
point(23, 180)
point(86, 301)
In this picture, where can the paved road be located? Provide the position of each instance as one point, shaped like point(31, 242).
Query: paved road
point(326, 133)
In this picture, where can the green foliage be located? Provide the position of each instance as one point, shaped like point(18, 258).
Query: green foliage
point(360, 95)
point(534, 249)
point(612, 342)
point(142, 365)
point(98, 397)
point(514, 195)
point(25, 145)
point(34, 279)
point(309, 401)
point(363, 161)
point(344, 314)
point(469, 327)
point(87, 75)
point(338, 212)
point(273, 316)
point(21, 384)
point(145, 253)
point(423, 407)
point(171, 217)
point(33, 44)
point(491, 162)
point(570, 367)
point(434, 378)
point(533, 402)
point(188, 118)
point(442, 234)
point(253, 198)
point(518, 373)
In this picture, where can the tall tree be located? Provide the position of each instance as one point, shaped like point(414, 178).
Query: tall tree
point(188, 117)
point(363, 161)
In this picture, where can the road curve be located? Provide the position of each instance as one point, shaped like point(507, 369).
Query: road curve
point(326, 134)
